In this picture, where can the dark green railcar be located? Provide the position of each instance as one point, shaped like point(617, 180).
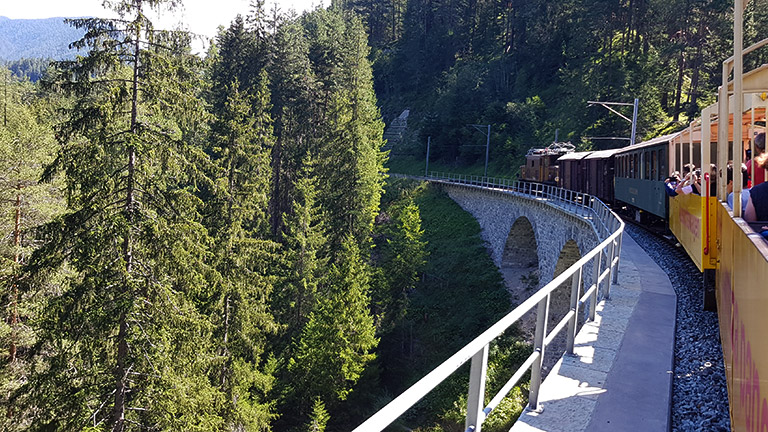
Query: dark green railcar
point(640, 171)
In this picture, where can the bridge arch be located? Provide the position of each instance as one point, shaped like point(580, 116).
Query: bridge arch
point(520, 257)
point(569, 254)
point(513, 224)
point(520, 247)
point(561, 297)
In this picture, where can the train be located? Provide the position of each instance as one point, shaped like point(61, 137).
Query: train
point(541, 164)
point(731, 252)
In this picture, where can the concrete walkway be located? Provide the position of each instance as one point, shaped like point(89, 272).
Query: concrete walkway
point(621, 376)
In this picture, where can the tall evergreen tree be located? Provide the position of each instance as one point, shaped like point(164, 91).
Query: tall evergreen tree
point(350, 160)
point(337, 342)
point(401, 255)
point(128, 349)
point(237, 219)
point(304, 259)
point(294, 94)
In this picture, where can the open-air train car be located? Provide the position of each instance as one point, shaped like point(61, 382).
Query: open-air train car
point(723, 245)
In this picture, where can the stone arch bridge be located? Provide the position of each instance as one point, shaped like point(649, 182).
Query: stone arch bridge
point(526, 230)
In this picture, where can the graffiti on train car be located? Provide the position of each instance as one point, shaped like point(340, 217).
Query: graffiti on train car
point(752, 404)
point(690, 221)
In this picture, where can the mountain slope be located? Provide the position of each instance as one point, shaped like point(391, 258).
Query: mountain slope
point(36, 38)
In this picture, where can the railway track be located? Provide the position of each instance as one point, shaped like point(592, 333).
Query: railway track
point(699, 399)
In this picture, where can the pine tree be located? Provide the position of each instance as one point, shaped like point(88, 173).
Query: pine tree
point(127, 346)
point(238, 58)
point(304, 259)
point(401, 256)
point(319, 418)
point(294, 109)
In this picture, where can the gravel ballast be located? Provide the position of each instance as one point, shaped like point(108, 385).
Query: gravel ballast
point(699, 394)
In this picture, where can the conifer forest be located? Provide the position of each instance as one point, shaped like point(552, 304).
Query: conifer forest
point(213, 242)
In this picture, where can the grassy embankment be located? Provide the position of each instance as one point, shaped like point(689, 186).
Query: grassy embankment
point(460, 295)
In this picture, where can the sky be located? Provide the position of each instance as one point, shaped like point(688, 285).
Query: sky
point(199, 16)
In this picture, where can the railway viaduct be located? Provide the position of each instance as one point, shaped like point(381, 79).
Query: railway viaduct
point(524, 231)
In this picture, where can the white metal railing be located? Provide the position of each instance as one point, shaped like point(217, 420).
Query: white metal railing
point(608, 227)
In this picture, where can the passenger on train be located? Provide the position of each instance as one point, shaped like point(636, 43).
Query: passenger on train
point(759, 145)
point(744, 191)
point(757, 205)
point(691, 182)
point(670, 184)
point(712, 180)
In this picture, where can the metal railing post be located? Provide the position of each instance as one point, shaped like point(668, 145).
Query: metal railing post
point(618, 255)
point(575, 294)
point(596, 278)
point(610, 270)
point(476, 397)
point(542, 316)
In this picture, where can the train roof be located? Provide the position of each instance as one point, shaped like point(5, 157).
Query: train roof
point(602, 154)
point(574, 156)
point(651, 142)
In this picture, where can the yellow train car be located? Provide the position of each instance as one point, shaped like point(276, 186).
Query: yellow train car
point(720, 241)
point(742, 295)
point(693, 217)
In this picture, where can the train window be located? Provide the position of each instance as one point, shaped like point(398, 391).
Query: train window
point(634, 166)
point(647, 164)
point(662, 168)
point(621, 166)
point(654, 166)
point(626, 166)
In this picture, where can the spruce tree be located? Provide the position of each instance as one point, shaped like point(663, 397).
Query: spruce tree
point(236, 212)
point(127, 346)
point(294, 109)
point(304, 259)
point(338, 340)
point(400, 256)
point(350, 160)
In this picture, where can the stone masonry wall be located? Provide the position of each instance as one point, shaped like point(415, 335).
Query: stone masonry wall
point(496, 212)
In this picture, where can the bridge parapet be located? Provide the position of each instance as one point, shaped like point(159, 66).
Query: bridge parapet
point(601, 261)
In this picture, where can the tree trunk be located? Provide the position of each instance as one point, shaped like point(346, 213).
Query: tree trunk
point(118, 412)
point(679, 87)
point(276, 207)
point(14, 285)
point(225, 347)
point(696, 65)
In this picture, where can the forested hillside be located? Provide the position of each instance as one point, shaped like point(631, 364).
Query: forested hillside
point(36, 38)
point(210, 244)
point(528, 67)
